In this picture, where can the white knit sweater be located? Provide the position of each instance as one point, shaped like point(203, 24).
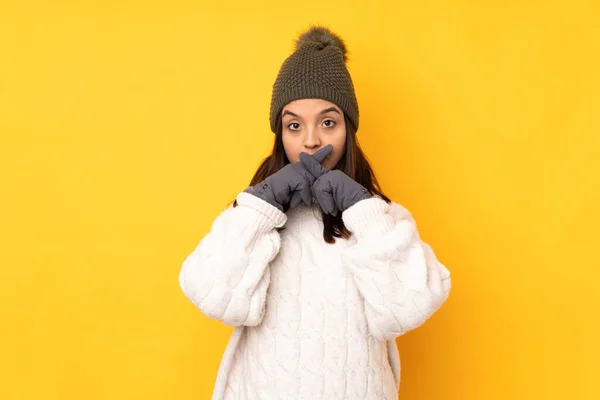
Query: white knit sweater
point(313, 320)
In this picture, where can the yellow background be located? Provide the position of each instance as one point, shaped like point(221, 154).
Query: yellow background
point(126, 126)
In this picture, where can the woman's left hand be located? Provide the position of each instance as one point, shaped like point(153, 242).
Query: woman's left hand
point(334, 190)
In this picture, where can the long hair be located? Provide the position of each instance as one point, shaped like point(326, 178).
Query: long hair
point(353, 163)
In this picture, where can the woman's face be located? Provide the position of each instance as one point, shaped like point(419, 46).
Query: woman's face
point(311, 124)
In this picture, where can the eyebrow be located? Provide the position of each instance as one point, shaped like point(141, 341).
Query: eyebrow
point(325, 111)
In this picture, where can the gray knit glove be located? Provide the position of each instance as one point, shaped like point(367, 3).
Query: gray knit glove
point(334, 190)
point(290, 185)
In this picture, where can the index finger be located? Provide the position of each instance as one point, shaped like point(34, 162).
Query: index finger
point(312, 165)
point(323, 153)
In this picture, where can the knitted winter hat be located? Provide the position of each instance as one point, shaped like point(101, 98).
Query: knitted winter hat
point(316, 69)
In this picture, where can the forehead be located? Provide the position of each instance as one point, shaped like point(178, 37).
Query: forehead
point(309, 106)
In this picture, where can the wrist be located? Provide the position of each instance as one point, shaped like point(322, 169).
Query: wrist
point(263, 192)
point(369, 218)
point(362, 195)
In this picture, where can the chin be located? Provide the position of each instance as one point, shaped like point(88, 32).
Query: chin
point(329, 165)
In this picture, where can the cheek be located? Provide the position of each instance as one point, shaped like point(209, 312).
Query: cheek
point(334, 158)
point(293, 157)
point(292, 151)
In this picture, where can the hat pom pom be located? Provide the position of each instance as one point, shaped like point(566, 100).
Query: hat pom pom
point(324, 37)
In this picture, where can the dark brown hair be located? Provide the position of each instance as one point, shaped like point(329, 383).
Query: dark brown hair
point(353, 163)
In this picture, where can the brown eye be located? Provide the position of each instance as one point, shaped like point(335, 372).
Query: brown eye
point(294, 126)
point(329, 123)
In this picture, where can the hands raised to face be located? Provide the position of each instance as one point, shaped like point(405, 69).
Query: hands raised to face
point(334, 190)
point(291, 185)
point(297, 182)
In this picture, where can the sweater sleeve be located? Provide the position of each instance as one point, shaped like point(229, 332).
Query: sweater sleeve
point(227, 275)
point(398, 275)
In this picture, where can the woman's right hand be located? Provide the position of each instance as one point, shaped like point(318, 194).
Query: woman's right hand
point(290, 185)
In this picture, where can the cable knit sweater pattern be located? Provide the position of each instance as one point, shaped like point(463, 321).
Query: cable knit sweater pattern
point(313, 320)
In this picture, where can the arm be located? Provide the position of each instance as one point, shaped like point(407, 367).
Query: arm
point(227, 275)
point(398, 275)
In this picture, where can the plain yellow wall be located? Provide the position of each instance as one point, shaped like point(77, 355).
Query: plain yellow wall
point(126, 126)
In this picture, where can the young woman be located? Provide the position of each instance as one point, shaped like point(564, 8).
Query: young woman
point(315, 267)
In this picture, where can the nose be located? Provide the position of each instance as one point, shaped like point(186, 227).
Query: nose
point(312, 139)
